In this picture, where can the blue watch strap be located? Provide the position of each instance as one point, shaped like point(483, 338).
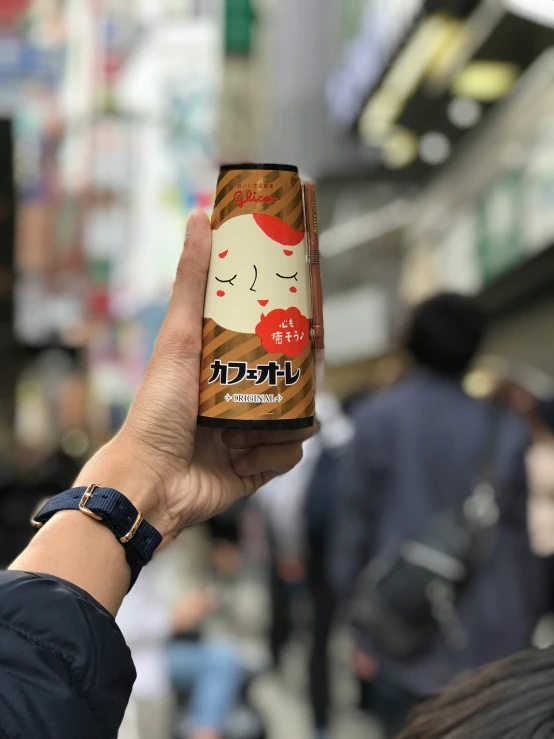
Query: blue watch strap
point(109, 507)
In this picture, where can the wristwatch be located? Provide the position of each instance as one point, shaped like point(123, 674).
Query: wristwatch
point(111, 508)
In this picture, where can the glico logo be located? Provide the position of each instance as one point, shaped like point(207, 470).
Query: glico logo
point(241, 198)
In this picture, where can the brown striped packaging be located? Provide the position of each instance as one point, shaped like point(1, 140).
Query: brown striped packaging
point(258, 360)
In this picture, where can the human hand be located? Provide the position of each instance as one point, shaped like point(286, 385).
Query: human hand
point(291, 570)
point(191, 611)
point(175, 473)
point(365, 666)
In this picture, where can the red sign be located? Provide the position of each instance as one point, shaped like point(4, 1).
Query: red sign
point(11, 11)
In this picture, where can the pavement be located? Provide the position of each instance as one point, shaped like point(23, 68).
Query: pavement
point(287, 714)
point(282, 697)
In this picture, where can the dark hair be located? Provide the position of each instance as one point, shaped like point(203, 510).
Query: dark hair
point(511, 699)
point(446, 332)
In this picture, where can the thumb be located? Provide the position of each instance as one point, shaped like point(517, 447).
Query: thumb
point(181, 334)
point(164, 411)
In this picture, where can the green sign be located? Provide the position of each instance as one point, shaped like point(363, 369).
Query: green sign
point(239, 22)
point(352, 12)
point(500, 226)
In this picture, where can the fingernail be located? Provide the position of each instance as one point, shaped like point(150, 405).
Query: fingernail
point(192, 223)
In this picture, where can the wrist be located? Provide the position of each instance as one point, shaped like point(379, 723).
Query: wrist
point(114, 466)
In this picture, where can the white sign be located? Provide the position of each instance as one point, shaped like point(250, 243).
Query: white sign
point(356, 325)
point(457, 255)
point(171, 85)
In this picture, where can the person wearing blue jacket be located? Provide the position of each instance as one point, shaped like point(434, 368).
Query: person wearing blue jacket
point(415, 453)
point(65, 670)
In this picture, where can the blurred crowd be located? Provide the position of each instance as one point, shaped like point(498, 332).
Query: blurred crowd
point(330, 566)
point(414, 541)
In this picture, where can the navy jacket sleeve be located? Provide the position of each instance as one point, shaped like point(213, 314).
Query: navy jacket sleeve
point(65, 670)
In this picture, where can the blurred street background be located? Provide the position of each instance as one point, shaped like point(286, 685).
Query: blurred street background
point(428, 127)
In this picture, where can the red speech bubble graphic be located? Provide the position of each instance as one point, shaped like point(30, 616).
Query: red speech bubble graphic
point(284, 332)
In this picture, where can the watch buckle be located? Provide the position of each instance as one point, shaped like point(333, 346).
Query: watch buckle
point(87, 495)
point(133, 531)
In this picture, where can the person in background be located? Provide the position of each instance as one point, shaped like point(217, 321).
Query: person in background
point(299, 509)
point(282, 505)
point(166, 661)
point(415, 453)
point(540, 466)
point(65, 670)
point(322, 493)
point(510, 699)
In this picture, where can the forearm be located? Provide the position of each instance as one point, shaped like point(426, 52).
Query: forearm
point(76, 548)
point(82, 551)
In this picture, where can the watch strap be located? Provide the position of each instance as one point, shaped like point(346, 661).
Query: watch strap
point(111, 508)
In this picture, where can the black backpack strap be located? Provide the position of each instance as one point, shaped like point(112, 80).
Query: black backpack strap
point(483, 504)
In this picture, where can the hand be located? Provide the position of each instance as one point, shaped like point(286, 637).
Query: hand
point(365, 666)
point(175, 473)
point(191, 611)
point(291, 570)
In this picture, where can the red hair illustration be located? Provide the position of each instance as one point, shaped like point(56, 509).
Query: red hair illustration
point(278, 230)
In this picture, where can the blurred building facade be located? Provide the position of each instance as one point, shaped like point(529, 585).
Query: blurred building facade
point(426, 127)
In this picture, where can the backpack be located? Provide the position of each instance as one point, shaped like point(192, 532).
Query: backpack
point(407, 603)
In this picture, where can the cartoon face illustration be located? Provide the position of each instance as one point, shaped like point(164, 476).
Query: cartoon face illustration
point(258, 265)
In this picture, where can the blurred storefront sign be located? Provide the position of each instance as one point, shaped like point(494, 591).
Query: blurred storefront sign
point(357, 325)
point(457, 256)
point(418, 93)
point(12, 12)
point(540, 11)
point(239, 22)
point(34, 232)
point(538, 201)
point(500, 226)
point(21, 60)
point(383, 28)
point(169, 87)
point(235, 139)
point(29, 150)
point(43, 315)
point(421, 274)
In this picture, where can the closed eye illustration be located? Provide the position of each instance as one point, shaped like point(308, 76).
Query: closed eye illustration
point(228, 282)
point(289, 277)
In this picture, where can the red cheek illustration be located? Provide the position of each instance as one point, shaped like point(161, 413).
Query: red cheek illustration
point(288, 252)
point(220, 294)
point(224, 254)
point(293, 290)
